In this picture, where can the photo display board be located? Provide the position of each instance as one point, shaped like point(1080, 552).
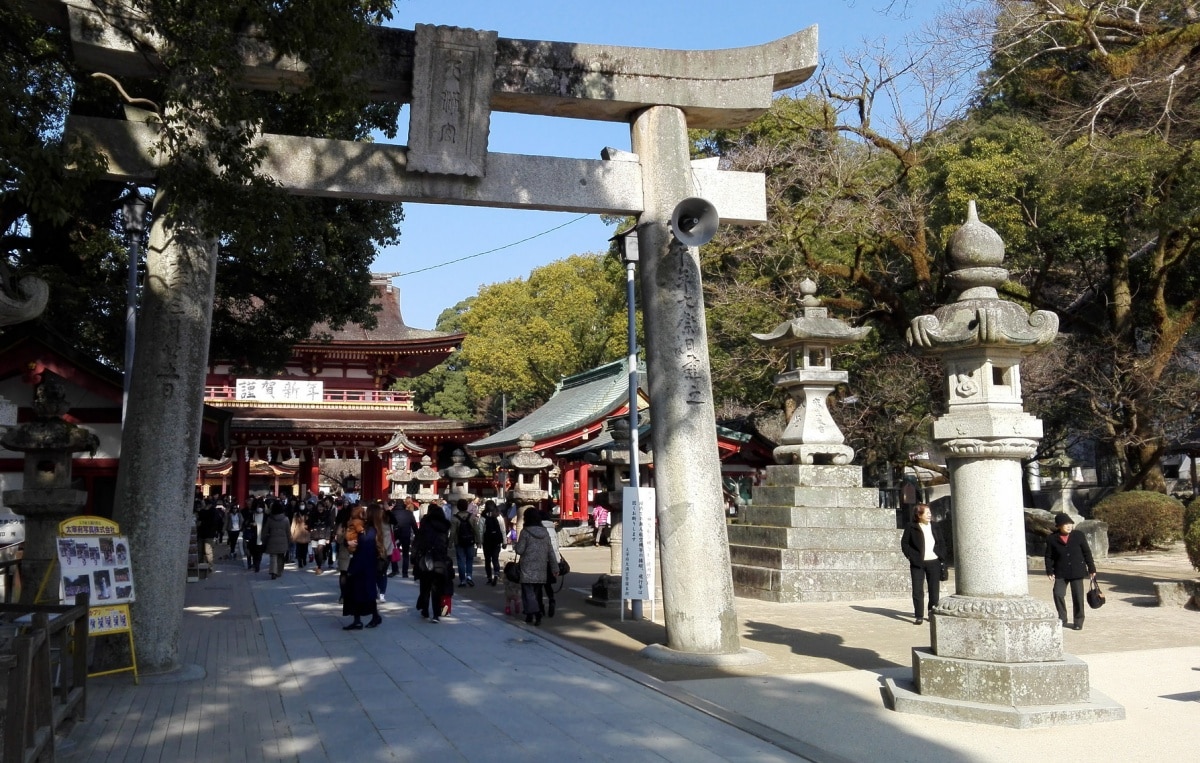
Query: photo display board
point(93, 558)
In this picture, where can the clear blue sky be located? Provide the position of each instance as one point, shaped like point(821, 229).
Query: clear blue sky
point(434, 234)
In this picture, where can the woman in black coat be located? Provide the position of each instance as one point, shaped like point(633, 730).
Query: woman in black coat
point(1068, 560)
point(925, 549)
point(359, 596)
point(433, 540)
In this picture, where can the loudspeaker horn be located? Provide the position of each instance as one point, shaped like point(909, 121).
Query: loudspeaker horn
point(695, 221)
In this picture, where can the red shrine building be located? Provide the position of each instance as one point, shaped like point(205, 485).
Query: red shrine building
point(333, 403)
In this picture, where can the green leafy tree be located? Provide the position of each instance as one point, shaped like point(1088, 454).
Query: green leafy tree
point(523, 336)
point(1080, 156)
point(842, 210)
point(64, 225)
point(284, 263)
point(1103, 200)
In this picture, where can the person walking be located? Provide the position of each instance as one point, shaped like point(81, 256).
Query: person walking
point(381, 519)
point(600, 519)
point(436, 579)
point(253, 525)
point(493, 541)
point(320, 528)
point(364, 548)
point(925, 549)
point(233, 529)
point(348, 532)
point(534, 549)
point(301, 536)
point(467, 534)
point(551, 526)
point(209, 524)
point(1069, 560)
point(276, 538)
point(404, 522)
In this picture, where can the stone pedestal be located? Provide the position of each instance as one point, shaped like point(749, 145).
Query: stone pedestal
point(813, 533)
point(997, 652)
point(606, 592)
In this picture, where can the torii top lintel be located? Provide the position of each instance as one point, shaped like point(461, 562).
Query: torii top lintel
point(714, 88)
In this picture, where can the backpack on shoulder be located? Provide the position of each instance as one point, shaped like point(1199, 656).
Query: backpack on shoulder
point(492, 534)
point(466, 533)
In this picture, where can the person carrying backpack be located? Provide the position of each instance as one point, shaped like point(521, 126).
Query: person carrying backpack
point(493, 541)
point(467, 534)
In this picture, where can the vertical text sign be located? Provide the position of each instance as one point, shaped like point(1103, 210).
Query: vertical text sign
point(637, 546)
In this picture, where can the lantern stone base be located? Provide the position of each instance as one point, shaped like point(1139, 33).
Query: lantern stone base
point(1016, 695)
point(606, 592)
point(813, 533)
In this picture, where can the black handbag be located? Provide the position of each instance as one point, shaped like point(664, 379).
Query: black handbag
point(1095, 597)
point(945, 573)
point(563, 567)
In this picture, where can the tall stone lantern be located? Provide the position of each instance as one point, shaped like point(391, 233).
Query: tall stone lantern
point(459, 476)
point(427, 478)
point(46, 497)
point(997, 654)
point(812, 436)
point(528, 469)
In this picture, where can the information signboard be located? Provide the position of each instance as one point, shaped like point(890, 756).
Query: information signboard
point(637, 547)
point(93, 558)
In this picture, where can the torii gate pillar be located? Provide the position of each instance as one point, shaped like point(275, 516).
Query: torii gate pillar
point(697, 584)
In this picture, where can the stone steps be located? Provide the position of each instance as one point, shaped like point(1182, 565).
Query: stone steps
point(804, 585)
point(813, 533)
point(840, 538)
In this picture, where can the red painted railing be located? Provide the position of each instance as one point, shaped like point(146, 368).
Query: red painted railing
point(394, 397)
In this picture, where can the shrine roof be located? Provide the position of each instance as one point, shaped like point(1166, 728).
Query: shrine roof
point(390, 328)
point(337, 418)
point(578, 401)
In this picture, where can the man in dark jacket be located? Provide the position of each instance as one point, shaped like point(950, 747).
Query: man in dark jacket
point(1068, 560)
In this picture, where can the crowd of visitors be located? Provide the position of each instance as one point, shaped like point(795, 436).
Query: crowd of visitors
point(368, 544)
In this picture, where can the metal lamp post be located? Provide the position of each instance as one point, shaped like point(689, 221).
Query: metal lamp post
point(133, 217)
point(628, 244)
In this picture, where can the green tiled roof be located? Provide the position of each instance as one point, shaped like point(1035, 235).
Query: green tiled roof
point(579, 400)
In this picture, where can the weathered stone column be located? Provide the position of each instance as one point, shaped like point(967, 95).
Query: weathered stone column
point(997, 653)
point(696, 576)
point(161, 439)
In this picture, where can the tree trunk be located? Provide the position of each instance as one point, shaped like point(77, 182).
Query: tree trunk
point(161, 439)
point(1145, 468)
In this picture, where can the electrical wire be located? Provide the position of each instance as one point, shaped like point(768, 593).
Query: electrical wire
point(497, 249)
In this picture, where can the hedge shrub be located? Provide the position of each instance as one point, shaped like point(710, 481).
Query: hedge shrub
point(1140, 520)
point(1191, 531)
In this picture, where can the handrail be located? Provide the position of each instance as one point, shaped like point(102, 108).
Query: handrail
point(37, 706)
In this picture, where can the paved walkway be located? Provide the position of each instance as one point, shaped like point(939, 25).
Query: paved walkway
point(271, 676)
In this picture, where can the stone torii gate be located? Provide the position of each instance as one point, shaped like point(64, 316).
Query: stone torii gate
point(453, 78)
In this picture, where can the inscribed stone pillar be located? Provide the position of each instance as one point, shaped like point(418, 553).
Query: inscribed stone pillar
point(162, 427)
point(997, 654)
point(696, 574)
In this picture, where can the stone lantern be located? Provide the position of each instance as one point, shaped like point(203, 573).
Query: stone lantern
point(813, 532)
point(46, 497)
point(997, 654)
point(459, 476)
point(427, 477)
point(812, 436)
point(529, 468)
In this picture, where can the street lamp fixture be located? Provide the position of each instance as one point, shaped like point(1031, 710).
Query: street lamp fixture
point(627, 243)
point(133, 218)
